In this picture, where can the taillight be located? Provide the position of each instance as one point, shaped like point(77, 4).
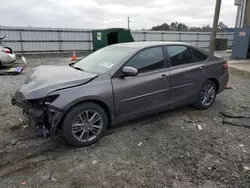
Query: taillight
point(6, 51)
point(225, 65)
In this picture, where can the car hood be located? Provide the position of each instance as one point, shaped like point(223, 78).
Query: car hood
point(49, 78)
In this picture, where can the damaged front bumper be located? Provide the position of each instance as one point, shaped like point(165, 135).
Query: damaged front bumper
point(43, 115)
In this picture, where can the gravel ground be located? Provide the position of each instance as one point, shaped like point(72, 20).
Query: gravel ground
point(163, 150)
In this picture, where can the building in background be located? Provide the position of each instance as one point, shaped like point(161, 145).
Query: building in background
point(241, 43)
point(243, 13)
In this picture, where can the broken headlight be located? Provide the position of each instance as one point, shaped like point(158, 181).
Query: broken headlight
point(51, 98)
point(47, 100)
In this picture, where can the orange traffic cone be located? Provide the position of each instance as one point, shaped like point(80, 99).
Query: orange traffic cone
point(228, 87)
point(74, 56)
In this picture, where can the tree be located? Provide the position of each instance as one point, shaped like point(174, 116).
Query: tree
point(207, 28)
point(166, 27)
point(222, 26)
point(173, 26)
point(176, 26)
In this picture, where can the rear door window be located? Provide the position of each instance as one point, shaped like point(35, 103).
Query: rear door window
point(179, 55)
point(198, 56)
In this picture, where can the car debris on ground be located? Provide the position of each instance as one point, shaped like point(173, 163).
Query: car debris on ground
point(241, 122)
point(231, 114)
point(246, 168)
point(13, 141)
point(15, 68)
point(25, 126)
point(188, 120)
point(23, 183)
point(199, 127)
point(53, 179)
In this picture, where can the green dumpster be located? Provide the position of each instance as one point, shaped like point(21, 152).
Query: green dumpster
point(221, 44)
point(105, 37)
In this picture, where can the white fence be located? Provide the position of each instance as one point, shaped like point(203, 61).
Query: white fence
point(199, 39)
point(53, 40)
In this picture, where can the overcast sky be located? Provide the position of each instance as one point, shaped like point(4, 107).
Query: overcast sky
point(112, 13)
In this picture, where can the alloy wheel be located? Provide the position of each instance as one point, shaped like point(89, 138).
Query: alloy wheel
point(87, 125)
point(207, 95)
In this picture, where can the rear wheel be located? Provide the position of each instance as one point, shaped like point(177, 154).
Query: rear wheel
point(84, 124)
point(206, 95)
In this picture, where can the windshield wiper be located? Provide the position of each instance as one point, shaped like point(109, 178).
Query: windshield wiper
point(77, 68)
point(80, 69)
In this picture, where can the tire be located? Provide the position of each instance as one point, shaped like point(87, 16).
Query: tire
point(199, 103)
point(1, 65)
point(77, 119)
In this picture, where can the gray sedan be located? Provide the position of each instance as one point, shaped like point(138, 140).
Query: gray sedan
point(118, 83)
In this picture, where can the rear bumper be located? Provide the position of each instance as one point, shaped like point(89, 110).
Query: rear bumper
point(223, 82)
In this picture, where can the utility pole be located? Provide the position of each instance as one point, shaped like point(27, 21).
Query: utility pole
point(128, 23)
point(215, 26)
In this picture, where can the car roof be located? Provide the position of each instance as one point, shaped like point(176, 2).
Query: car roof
point(141, 45)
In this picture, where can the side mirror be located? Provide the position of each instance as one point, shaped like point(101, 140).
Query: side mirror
point(129, 71)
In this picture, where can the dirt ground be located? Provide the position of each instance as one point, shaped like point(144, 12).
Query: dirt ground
point(163, 150)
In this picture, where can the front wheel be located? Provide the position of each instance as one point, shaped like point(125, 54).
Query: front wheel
point(84, 124)
point(206, 96)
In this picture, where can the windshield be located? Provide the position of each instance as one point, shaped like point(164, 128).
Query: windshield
point(102, 60)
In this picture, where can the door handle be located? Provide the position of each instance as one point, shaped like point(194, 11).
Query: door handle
point(163, 76)
point(202, 67)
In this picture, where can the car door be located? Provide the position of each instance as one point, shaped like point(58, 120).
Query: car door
point(146, 92)
point(186, 74)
